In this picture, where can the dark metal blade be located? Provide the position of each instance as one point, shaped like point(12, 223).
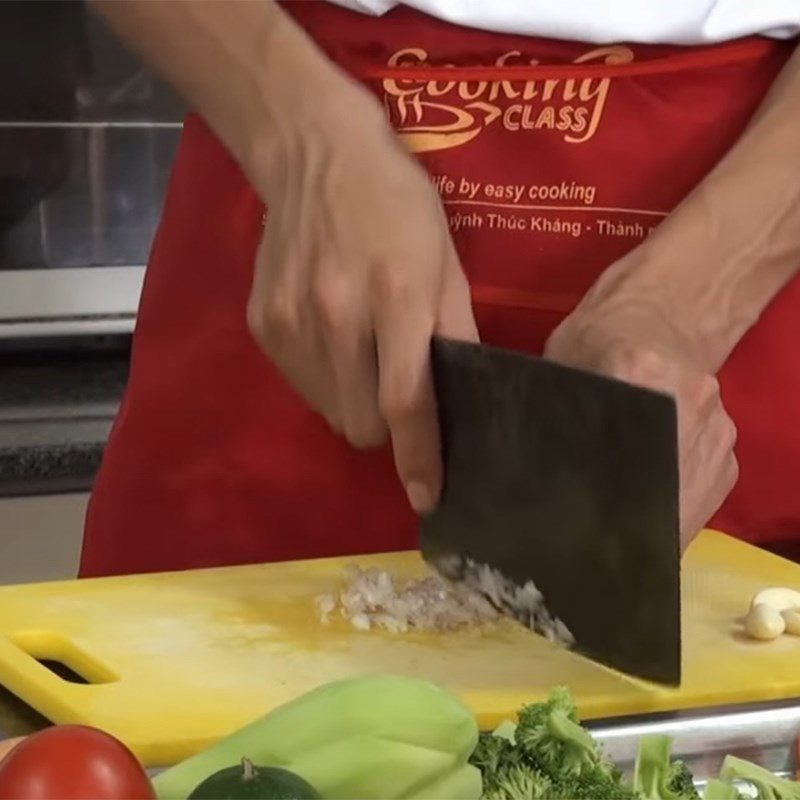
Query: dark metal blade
point(570, 480)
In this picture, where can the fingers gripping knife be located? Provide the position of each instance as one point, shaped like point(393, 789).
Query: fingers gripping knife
point(560, 503)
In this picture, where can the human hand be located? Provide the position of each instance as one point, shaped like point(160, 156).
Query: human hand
point(355, 273)
point(616, 337)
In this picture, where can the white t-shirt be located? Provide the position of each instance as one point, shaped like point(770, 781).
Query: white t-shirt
point(602, 21)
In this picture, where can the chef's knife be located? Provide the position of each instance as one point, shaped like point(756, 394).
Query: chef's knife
point(560, 503)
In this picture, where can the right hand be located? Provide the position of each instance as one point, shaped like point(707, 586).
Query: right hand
point(609, 334)
point(355, 273)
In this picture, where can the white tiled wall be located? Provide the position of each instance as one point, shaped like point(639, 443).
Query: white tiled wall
point(40, 537)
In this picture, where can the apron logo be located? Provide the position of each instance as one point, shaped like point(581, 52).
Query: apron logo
point(440, 114)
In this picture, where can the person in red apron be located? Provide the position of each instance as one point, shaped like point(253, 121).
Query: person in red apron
point(631, 209)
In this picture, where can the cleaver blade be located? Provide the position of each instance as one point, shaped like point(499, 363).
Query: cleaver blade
point(560, 503)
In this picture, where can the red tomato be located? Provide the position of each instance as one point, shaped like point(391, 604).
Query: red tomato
point(73, 762)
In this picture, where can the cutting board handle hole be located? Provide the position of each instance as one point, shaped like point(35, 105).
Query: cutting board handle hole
point(61, 670)
point(63, 658)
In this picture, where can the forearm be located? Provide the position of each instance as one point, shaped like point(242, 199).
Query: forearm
point(718, 260)
point(255, 76)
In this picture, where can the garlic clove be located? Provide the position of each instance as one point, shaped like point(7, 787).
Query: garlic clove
point(791, 617)
point(764, 622)
point(779, 597)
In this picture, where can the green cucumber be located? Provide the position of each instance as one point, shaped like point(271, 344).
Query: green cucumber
point(248, 782)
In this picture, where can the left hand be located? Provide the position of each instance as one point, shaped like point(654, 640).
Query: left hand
point(626, 339)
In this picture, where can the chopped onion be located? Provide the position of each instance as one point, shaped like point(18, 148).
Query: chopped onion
point(372, 598)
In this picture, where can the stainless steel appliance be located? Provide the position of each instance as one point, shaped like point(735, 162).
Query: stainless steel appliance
point(87, 136)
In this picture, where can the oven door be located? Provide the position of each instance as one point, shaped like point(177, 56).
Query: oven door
point(87, 138)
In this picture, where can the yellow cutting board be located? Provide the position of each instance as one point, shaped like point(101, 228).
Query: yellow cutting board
point(179, 659)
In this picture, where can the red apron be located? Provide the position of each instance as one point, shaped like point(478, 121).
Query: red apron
point(553, 159)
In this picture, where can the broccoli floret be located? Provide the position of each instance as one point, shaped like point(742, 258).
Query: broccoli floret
point(594, 784)
point(558, 744)
point(656, 777)
point(681, 781)
point(767, 785)
point(549, 755)
point(493, 754)
point(520, 783)
point(552, 738)
point(554, 743)
point(560, 700)
point(506, 775)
